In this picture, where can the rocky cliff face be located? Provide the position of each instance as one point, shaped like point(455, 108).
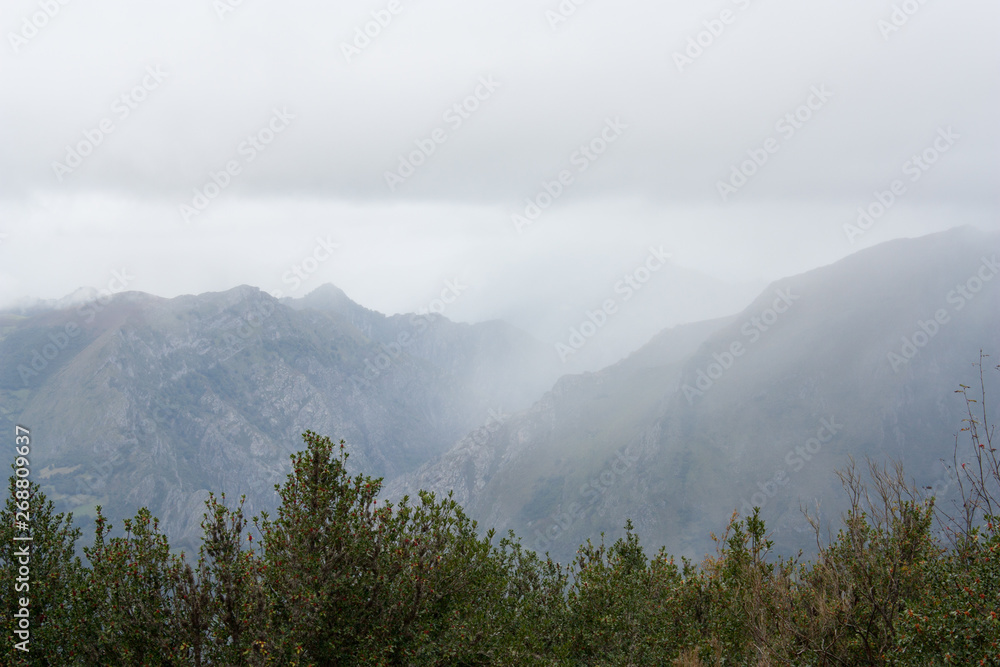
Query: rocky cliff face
point(136, 400)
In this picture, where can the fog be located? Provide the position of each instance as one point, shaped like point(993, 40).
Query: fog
point(532, 151)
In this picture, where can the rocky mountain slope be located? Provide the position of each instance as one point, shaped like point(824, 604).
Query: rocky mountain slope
point(858, 358)
point(137, 400)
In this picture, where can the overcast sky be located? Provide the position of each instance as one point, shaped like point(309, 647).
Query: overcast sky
point(115, 114)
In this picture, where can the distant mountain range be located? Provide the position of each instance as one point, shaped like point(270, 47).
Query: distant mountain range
point(137, 400)
point(859, 358)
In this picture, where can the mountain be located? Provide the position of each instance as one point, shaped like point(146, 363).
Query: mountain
point(859, 358)
point(137, 400)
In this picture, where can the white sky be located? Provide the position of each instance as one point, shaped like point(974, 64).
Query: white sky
point(323, 174)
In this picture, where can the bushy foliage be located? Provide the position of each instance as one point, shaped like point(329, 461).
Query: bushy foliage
point(56, 577)
point(958, 624)
point(337, 577)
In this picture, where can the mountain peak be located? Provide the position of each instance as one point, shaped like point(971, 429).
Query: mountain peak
point(328, 297)
point(328, 291)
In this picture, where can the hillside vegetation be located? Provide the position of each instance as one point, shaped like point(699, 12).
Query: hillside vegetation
point(337, 577)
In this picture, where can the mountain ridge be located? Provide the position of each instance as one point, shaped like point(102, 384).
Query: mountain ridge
point(143, 400)
point(152, 401)
point(678, 473)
